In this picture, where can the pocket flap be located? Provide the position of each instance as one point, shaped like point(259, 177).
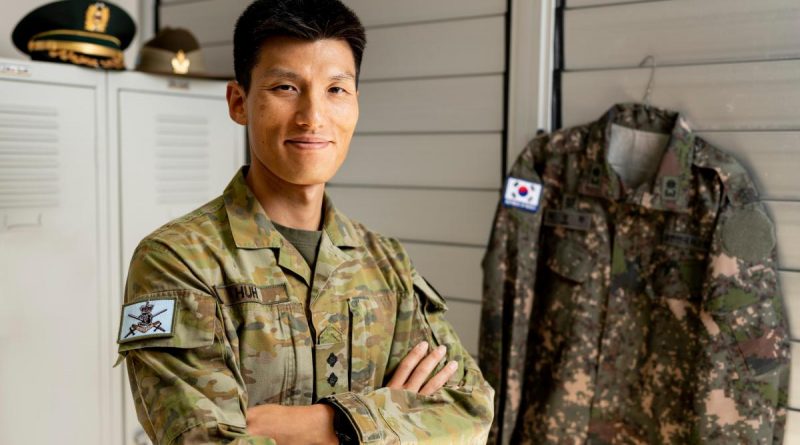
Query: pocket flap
point(570, 260)
point(170, 319)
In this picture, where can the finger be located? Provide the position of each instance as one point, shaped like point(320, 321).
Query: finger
point(407, 365)
point(437, 382)
point(424, 369)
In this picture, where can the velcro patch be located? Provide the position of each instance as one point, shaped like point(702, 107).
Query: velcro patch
point(147, 319)
point(748, 234)
point(522, 194)
point(250, 293)
point(571, 219)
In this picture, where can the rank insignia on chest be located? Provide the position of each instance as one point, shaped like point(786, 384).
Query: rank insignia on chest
point(146, 319)
point(522, 194)
point(571, 219)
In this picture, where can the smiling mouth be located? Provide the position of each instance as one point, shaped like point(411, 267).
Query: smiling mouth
point(309, 143)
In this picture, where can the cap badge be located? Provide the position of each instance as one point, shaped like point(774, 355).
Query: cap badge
point(97, 16)
point(180, 64)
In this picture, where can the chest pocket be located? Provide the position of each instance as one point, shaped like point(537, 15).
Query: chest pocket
point(274, 345)
point(371, 332)
point(570, 260)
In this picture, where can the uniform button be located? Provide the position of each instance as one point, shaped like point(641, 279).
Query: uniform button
point(332, 379)
point(332, 359)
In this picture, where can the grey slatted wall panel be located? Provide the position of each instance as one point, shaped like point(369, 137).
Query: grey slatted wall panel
point(428, 160)
point(459, 47)
point(790, 286)
point(425, 163)
point(432, 105)
point(211, 21)
point(375, 13)
point(590, 3)
point(682, 31)
point(732, 69)
point(753, 96)
point(786, 215)
point(452, 216)
point(792, 435)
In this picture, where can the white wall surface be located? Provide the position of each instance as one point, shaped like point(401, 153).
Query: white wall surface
point(12, 11)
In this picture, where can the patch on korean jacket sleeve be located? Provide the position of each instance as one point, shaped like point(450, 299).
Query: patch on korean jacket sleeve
point(147, 319)
point(522, 194)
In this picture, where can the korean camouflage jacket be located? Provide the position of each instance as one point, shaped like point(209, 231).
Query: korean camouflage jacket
point(243, 323)
point(640, 315)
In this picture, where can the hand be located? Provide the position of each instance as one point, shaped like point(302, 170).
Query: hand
point(293, 424)
point(415, 368)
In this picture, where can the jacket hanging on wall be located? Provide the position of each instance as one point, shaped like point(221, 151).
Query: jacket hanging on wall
point(631, 293)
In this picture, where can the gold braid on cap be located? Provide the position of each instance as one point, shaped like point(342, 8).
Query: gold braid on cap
point(79, 59)
point(74, 32)
point(80, 53)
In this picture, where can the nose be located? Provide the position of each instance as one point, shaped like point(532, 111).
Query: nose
point(310, 112)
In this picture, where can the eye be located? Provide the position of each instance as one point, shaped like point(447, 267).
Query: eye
point(337, 90)
point(284, 88)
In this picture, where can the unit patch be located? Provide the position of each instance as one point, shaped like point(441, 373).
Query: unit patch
point(522, 194)
point(571, 219)
point(147, 319)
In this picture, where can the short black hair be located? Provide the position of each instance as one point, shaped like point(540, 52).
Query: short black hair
point(301, 19)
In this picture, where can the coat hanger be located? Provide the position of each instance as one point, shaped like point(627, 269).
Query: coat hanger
point(649, 90)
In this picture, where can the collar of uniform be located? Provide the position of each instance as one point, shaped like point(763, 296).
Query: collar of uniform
point(250, 226)
point(670, 189)
point(252, 229)
point(339, 228)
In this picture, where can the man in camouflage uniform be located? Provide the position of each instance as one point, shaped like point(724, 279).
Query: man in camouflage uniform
point(232, 333)
point(635, 307)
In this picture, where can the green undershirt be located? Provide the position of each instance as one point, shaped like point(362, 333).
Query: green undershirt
point(305, 241)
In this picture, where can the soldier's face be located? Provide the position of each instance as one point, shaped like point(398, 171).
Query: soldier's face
point(301, 109)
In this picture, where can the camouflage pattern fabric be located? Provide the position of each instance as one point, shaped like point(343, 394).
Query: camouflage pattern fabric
point(634, 315)
point(252, 327)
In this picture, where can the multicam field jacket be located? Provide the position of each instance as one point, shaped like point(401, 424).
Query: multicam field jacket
point(222, 313)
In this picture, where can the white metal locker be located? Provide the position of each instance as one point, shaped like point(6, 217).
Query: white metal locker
point(177, 149)
point(54, 250)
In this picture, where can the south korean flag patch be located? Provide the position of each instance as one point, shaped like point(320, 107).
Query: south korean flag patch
point(522, 194)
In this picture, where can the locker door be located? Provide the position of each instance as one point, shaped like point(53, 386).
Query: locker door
point(176, 153)
point(51, 337)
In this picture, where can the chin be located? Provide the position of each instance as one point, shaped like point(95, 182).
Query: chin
point(308, 180)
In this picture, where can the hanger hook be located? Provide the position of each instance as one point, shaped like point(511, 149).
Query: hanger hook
point(648, 92)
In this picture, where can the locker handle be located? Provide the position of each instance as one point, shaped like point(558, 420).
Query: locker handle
point(8, 224)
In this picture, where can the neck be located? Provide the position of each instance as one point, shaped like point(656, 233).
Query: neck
point(290, 205)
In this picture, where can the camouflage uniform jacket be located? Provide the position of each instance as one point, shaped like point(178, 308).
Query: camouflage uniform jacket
point(635, 315)
point(250, 326)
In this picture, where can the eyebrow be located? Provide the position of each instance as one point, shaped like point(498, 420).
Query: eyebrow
point(291, 75)
point(344, 76)
point(282, 74)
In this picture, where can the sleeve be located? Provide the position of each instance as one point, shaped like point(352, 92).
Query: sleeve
point(509, 274)
point(460, 413)
point(743, 380)
point(184, 383)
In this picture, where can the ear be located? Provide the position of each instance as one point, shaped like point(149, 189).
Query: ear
point(236, 102)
